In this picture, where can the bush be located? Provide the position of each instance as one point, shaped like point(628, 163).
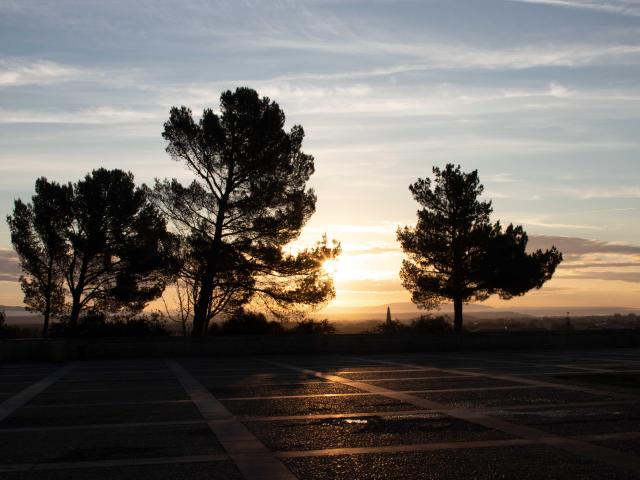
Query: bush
point(249, 323)
point(96, 324)
point(390, 327)
point(312, 327)
point(430, 324)
point(16, 331)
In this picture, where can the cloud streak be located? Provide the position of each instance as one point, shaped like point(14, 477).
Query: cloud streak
point(18, 72)
point(9, 266)
point(101, 115)
point(622, 7)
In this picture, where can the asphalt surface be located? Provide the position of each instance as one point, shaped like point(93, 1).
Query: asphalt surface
point(506, 415)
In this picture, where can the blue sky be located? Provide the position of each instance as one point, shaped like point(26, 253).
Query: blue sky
point(542, 97)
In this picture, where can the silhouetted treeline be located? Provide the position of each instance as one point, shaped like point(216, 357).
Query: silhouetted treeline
point(100, 249)
point(422, 324)
point(256, 323)
point(102, 244)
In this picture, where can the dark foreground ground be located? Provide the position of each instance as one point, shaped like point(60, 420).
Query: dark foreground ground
point(468, 416)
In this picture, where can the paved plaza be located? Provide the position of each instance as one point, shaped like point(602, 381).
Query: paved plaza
point(507, 415)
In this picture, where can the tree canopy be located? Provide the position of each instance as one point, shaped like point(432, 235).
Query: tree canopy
point(96, 243)
point(38, 236)
point(248, 200)
point(121, 255)
point(455, 253)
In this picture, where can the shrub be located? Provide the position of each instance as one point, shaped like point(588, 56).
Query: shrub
point(97, 324)
point(244, 322)
point(389, 327)
point(312, 327)
point(16, 331)
point(430, 324)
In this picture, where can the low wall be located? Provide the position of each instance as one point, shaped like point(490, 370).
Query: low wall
point(80, 349)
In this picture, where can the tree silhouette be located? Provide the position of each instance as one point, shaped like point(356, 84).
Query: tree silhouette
point(455, 253)
point(100, 238)
point(248, 200)
point(38, 237)
point(120, 255)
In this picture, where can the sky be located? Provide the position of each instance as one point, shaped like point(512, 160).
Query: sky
point(542, 97)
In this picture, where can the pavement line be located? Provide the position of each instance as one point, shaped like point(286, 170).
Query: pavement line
point(430, 377)
point(160, 389)
point(361, 394)
point(405, 448)
point(576, 373)
point(109, 404)
point(99, 426)
point(603, 454)
point(18, 400)
point(119, 390)
point(426, 447)
point(396, 413)
point(125, 462)
point(27, 382)
point(328, 416)
point(240, 375)
point(252, 458)
point(416, 447)
point(272, 384)
point(565, 366)
point(320, 416)
point(526, 381)
point(389, 370)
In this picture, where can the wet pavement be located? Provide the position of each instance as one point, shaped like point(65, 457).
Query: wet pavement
point(533, 415)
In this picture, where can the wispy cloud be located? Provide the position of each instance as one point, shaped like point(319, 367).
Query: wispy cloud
point(633, 277)
point(622, 7)
point(621, 191)
point(9, 266)
point(16, 72)
point(433, 55)
point(96, 115)
point(582, 246)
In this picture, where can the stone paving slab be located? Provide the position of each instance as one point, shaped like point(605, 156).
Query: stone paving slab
point(379, 430)
point(321, 388)
point(100, 414)
point(120, 377)
point(444, 383)
point(629, 446)
point(221, 470)
point(397, 372)
point(310, 406)
point(579, 420)
point(113, 385)
point(13, 377)
point(611, 380)
point(256, 379)
point(522, 463)
point(80, 445)
point(517, 396)
point(140, 394)
point(15, 387)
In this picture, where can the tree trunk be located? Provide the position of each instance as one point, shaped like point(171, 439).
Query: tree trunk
point(47, 300)
point(457, 310)
point(47, 315)
point(75, 311)
point(201, 309)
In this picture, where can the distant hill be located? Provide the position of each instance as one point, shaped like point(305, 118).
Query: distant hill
point(12, 308)
point(407, 310)
point(17, 315)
